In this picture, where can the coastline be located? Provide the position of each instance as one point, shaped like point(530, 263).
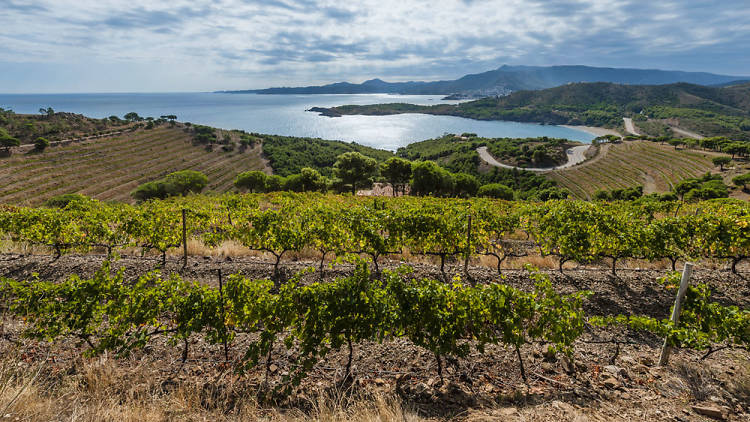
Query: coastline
point(594, 130)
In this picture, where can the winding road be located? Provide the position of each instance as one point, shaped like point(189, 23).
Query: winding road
point(629, 126)
point(576, 155)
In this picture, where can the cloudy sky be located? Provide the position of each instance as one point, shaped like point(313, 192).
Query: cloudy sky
point(203, 45)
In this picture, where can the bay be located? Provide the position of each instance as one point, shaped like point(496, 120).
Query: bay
point(286, 115)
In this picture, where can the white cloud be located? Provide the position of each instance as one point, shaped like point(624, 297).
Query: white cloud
point(205, 45)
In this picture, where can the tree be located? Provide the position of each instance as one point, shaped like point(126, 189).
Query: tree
point(355, 169)
point(496, 190)
point(312, 180)
point(184, 182)
point(274, 183)
point(150, 190)
point(7, 141)
point(686, 186)
point(254, 181)
point(465, 185)
point(742, 180)
point(721, 161)
point(735, 148)
point(133, 117)
point(397, 171)
point(41, 144)
point(428, 178)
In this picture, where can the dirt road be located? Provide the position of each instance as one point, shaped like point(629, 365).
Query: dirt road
point(629, 126)
point(576, 155)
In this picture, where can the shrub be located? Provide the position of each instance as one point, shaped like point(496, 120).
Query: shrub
point(742, 180)
point(184, 182)
point(274, 183)
point(496, 190)
point(465, 185)
point(41, 144)
point(254, 181)
point(429, 178)
point(179, 183)
point(62, 201)
point(150, 190)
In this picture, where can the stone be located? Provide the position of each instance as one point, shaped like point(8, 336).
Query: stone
point(505, 412)
point(646, 360)
point(273, 368)
point(611, 383)
point(615, 370)
point(710, 411)
point(567, 365)
point(640, 369)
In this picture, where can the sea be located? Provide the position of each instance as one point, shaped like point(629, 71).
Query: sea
point(287, 115)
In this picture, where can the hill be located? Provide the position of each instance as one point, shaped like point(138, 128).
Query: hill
point(56, 126)
point(506, 79)
point(658, 168)
point(110, 168)
point(709, 111)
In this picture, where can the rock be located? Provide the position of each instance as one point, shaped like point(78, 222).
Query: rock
point(567, 365)
point(565, 407)
point(611, 383)
point(454, 393)
point(615, 371)
point(273, 368)
point(646, 360)
point(710, 411)
point(640, 369)
point(505, 412)
point(548, 367)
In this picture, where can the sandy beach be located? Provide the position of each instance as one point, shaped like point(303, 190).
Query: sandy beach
point(594, 130)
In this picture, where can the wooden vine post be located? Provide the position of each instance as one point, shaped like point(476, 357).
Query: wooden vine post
point(184, 237)
point(468, 249)
point(223, 315)
point(666, 348)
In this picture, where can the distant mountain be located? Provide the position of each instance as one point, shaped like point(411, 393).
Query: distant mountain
point(507, 79)
point(710, 111)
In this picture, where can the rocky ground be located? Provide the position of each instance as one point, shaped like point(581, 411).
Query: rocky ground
point(612, 376)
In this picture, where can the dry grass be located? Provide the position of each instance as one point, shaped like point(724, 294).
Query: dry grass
point(110, 168)
point(102, 390)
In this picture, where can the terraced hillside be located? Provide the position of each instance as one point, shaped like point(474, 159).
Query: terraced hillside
point(656, 167)
point(110, 168)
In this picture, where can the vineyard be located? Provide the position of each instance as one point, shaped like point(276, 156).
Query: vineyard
point(302, 320)
point(656, 167)
point(279, 224)
point(110, 168)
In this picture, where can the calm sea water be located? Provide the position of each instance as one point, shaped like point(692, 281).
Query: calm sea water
point(286, 115)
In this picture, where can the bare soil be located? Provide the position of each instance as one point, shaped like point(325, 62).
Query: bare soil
point(605, 381)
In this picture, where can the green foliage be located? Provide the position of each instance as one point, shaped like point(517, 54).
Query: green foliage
point(253, 181)
point(288, 155)
point(742, 180)
point(706, 187)
point(179, 183)
point(721, 161)
point(496, 190)
point(430, 179)
point(62, 201)
point(41, 144)
point(355, 170)
point(397, 172)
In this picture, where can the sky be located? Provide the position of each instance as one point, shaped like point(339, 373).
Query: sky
point(64, 46)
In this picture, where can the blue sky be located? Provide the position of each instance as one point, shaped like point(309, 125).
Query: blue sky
point(201, 45)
